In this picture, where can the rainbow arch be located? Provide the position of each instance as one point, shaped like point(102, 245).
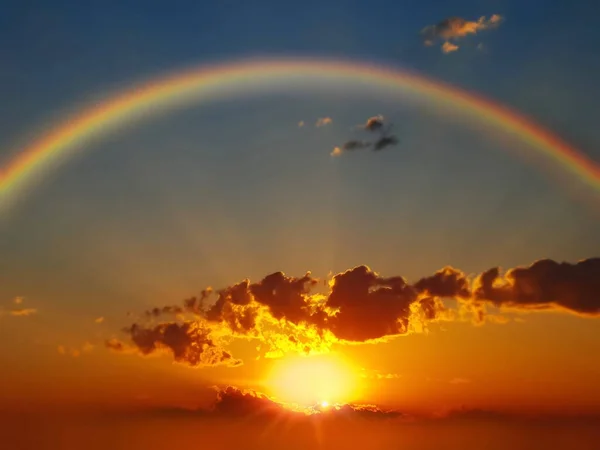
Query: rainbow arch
point(216, 80)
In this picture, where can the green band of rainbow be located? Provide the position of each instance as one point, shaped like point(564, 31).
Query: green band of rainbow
point(205, 81)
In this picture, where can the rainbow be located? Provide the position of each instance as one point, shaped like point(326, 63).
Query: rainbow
point(222, 79)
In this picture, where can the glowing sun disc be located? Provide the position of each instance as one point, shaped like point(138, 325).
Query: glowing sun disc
point(320, 380)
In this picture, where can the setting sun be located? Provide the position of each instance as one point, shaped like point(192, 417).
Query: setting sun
point(321, 380)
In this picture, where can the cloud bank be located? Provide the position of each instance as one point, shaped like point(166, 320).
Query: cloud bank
point(290, 314)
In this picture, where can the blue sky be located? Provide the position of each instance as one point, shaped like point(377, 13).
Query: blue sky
point(217, 192)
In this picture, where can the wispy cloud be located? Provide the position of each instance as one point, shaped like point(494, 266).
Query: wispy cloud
point(322, 121)
point(22, 312)
point(455, 28)
point(75, 352)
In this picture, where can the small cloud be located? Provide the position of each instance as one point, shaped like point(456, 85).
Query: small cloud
point(449, 47)
point(459, 381)
point(384, 142)
point(321, 122)
point(349, 146)
point(23, 312)
point(18, 300)
point(115, 345)
point(301, 124)
point(87, 347)
point(99, 320)
point(454, 28)
point(374, 123)
point(495, 19)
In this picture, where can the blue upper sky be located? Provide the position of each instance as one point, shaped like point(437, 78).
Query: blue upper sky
point(139, 202)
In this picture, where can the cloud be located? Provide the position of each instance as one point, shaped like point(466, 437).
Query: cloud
point(545, 284)
point(293, 314)
point(454, 28)
point(383, 142)
point(18, 312)
point(87, 347)
point(322, 121)
point(115, 345)
point(189, 343)
point(337, 151)
point(374, 123)
point(232, 402)
point(349, 146)
point(23, 312)
point(449, 47)
point(156, 312)
point(301, 124)
point(99, 320)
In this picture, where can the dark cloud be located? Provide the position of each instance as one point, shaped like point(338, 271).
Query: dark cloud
point(234, 307)
point(385, 141)
point(544, 284)
point(189, 342)
point(369, 306)
point(232, 402)
point(285, 313)
point(156, 312)
point(285, 297)
point(355, 145)
point(448, 282)
point(454, 28)
point(374, 125)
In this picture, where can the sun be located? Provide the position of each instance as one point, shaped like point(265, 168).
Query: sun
point(318, 380)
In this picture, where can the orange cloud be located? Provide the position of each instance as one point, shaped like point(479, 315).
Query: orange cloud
point(454, 28)
point(75, 352)
point(321, 122)
point(449, 47)
point(22, 312)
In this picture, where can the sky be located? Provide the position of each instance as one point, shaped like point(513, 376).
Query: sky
point(402, 309)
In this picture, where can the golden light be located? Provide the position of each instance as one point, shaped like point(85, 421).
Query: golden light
point(317, 380)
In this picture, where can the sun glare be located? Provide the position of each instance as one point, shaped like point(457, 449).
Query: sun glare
point(320, 380)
